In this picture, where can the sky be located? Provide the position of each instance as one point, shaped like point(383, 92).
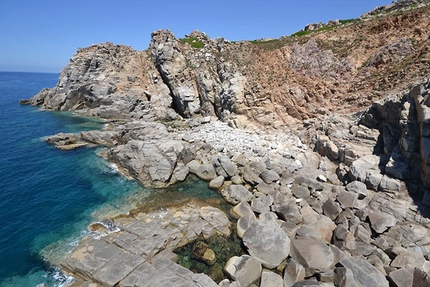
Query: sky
point(42, 35)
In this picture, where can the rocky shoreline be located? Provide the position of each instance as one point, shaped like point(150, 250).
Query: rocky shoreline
point(319, 197)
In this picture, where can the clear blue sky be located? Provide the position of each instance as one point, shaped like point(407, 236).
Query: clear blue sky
point(42, 35)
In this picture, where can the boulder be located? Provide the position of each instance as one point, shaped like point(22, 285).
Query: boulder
point(244, 269)
point(235, 194)
point(380, 221)
point(217, 182)
point(262, 204)
point(421, 279)
point(206, 172)
point(355, 271)
point(270, 279)
point(242, 209)
point(312, 254)
point(244, 223)
point(347, 199)
point(409, 260)
point(269, 176)
point(331, 209)
point(293, 272)
point(266, 241)
point(357, 187)
point(224, 166)
point(402, 277)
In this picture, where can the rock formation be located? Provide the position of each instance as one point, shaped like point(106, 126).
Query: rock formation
point(320, 143)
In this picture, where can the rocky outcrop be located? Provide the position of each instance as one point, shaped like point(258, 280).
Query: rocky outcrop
point(323, 161)
point(141, 251)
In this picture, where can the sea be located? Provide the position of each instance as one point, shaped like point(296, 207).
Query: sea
point(48, 197)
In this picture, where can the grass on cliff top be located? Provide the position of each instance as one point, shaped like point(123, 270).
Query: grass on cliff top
point(325, 28)
point(194, 42)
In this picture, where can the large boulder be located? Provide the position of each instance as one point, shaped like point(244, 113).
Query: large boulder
point(358, 272)
point(244, 269)
point(236, 193)
point(266, 241)
point(151, 163)
point(314, 255)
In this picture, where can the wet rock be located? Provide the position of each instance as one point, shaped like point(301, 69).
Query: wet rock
point(244, 269)
point(235, 194)
point(266, 241)
point(312, 254)
point(202, 252)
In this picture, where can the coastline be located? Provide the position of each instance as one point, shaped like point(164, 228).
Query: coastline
point(321, 197)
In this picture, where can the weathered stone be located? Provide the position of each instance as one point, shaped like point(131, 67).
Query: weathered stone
point(357, 187)
point(401, 278)
point(293, 272)
point(244, 269)
point(242, 209)
point(262, 204)
point(224, 166)
point(270, 279)
point(331, 209)
point(359, 272)
point(217, 182)
point(244, 223)
point(380, 221)
point(300, 191)
point(408, 260)
point(289, 212)
point(314, 255)
point(347, 199)
point(266, 241)
point(265, 188)
point(269, 176)
point(421, 279)
point(235, 194)
point(249, 176)
point(206, 172)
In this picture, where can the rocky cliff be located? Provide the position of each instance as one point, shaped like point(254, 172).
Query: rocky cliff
point(319, 140)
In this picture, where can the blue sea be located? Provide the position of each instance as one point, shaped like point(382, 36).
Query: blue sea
point(48, 197)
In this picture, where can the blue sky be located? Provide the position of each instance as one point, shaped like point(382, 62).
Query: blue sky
point(41, 36)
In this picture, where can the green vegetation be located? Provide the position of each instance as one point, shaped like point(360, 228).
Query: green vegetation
point(324, 28)
point(194, 42)
point(264, 41)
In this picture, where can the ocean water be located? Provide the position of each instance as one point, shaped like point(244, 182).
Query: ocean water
point(47, 196)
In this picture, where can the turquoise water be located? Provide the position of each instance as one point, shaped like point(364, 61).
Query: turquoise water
point(47, 196)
